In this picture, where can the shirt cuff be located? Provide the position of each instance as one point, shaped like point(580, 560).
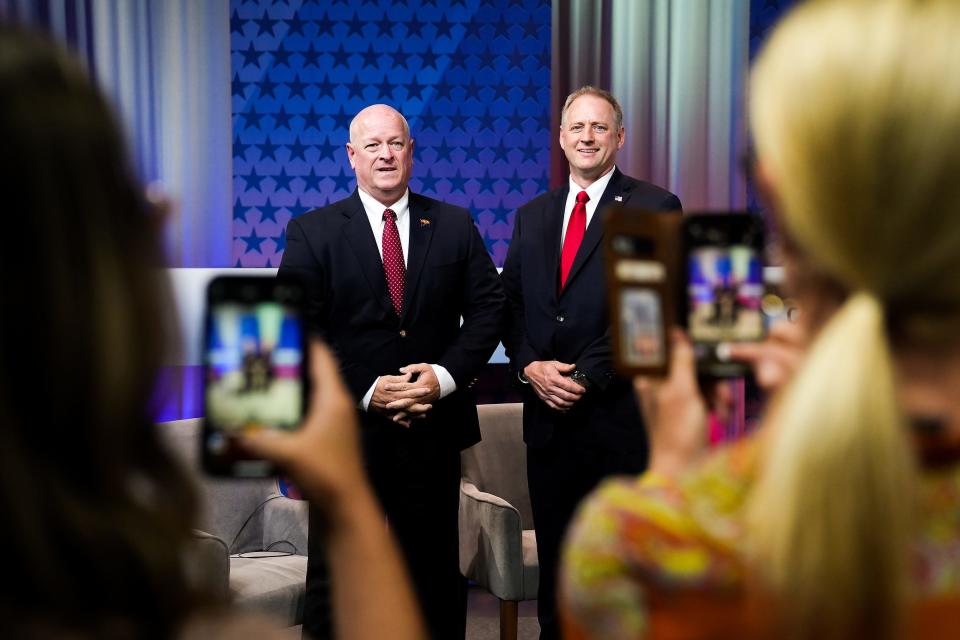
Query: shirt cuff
point(368, 396)
point(447, 383)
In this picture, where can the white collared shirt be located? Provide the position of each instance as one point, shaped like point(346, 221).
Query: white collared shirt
point(595, 191)
point(374, 210)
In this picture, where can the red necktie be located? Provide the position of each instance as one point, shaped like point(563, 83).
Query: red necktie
point(571, 241)
point(393, 266)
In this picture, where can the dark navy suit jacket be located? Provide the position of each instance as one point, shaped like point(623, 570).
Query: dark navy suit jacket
point(572, 325)
point(449, 275)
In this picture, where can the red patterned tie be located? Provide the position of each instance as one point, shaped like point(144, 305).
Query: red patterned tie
point(393, 266)
point(571, 241)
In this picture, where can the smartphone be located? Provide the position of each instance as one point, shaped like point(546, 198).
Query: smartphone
point(643, 270)
point(255, 369)
point(724, 287)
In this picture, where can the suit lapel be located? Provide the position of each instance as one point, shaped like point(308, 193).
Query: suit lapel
point(421, 233)
point(358, 233)
point(591, 239)
point(552, 226)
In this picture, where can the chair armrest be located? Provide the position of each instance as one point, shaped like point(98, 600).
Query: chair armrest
point(491, 543)
point(208, 564)
point(285, 525)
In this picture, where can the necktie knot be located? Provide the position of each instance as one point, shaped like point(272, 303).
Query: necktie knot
point(388, 214)
point(583, 198)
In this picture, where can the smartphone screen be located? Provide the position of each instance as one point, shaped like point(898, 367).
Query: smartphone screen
point(725, 289)
point(254, 357)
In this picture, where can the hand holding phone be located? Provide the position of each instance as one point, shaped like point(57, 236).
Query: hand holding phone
point(324, 457)
point(254, 369)
point(674, 411)
point(700, 271)
point(777, 358)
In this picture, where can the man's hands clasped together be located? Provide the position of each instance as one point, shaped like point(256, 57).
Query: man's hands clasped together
point(551, 382)
point(407, 396)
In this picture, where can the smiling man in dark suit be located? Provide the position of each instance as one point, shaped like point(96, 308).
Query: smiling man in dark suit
point(389, 274)
point(580, 420)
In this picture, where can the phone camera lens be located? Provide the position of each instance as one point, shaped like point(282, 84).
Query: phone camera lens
point(622, 245)
point(216, 443)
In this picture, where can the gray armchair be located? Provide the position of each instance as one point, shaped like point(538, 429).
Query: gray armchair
point(498, 547)
point(254, 541)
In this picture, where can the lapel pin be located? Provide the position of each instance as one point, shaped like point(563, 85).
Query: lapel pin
point(424, 222)
point(618, 198)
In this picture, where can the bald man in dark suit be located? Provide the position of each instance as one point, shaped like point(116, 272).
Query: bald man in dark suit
point(389, 275)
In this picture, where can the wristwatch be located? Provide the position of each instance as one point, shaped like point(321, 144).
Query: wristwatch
point(581, 379)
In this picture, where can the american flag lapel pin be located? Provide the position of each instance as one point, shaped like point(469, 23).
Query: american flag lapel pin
point(424, 222)
point(618, 198)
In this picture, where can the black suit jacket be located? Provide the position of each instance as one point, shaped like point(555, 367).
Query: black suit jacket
point(449, 274)
point(573, 325)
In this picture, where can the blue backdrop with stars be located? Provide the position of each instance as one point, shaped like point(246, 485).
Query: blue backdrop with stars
point(471, 76)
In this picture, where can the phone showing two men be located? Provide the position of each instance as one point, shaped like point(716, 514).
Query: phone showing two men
point(701, 271)
point(724, 287)
point(255, 371)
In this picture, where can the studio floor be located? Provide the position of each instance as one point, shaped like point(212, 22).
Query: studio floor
point(483, 617)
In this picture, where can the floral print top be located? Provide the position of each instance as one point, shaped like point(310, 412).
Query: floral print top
point(639, 546)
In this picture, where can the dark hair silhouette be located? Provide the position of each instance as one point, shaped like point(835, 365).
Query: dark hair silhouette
point(96, 514)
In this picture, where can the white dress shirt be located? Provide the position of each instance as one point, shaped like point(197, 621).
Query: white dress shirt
point(595, 190)
point(374, 210)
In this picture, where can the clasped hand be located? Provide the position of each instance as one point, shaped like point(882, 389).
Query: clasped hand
point(551, 382)
point(407, 396)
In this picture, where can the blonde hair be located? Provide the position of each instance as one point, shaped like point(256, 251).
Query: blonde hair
point(855, 109)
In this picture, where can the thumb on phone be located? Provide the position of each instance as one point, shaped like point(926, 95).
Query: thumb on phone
point(323, 456)
point(674, 411)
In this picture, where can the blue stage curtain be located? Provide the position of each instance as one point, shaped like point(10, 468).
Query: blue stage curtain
point(166, 68)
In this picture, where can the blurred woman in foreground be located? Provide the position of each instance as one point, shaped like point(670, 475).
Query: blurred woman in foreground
point(97, 516)
point(841, 518)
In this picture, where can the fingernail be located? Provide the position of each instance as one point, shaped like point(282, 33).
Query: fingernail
point(723, 352)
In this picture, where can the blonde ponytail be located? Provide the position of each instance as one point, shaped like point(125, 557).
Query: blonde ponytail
point(855, 110)
point(830, 519)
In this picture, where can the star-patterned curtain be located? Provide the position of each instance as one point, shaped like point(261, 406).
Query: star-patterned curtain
point(471, 76)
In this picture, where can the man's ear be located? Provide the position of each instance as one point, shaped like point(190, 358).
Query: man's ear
point(621, 137)
point(351, 152)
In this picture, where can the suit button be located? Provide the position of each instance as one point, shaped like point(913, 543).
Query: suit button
point(403, 333)
point(559, 318)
